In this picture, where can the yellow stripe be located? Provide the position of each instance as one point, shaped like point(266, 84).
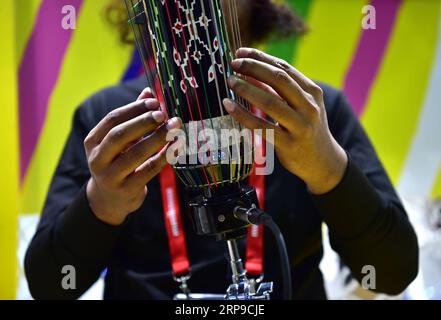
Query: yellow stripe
point(26, 13)
point(436, 192)
point(395, 102)
point(326, 52)
point(95, 59)
point(9, 158)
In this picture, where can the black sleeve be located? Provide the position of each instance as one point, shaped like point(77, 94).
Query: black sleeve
point(69, 234)
point(367, 222)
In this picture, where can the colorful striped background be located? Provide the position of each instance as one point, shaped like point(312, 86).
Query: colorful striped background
point(392, 76)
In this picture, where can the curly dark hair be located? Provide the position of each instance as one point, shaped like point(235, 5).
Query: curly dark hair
point(267, 18)
point(274, 18)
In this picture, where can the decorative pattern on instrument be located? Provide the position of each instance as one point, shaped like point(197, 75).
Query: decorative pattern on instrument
point(187, 51)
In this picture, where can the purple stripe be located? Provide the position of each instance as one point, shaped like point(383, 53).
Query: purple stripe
point(38, 73)
point(369, 55)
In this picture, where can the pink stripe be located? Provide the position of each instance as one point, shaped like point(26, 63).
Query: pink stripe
point(38, 73)
point(369, 55)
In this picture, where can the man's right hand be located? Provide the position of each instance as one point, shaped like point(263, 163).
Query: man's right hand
point(122, 160)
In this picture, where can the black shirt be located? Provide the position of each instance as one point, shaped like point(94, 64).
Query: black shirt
point(366, 220)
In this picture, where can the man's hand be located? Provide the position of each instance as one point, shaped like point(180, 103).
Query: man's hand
point(303, 141)
point(122, 159)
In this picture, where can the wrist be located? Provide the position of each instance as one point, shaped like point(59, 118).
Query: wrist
point(98, 205)
point(331, 172)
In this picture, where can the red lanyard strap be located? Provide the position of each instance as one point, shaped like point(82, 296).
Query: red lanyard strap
point(173, 223)
point(254, 251)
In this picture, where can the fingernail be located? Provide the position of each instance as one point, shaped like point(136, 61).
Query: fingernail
point(151, 104)
point(229, 105)
point(237, 64)
point(240, 52)
point(146, 91)
point(174, 123)
point(232, 80)
point(158, 116)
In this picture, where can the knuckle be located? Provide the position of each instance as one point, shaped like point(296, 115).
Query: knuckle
point(281, 75)
point(254, 53)
point(315, 90)
point(88, 142)
point(311, 99)
point(282, 64)
point(260, 55)
point(116, 134)
point(111, 117)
